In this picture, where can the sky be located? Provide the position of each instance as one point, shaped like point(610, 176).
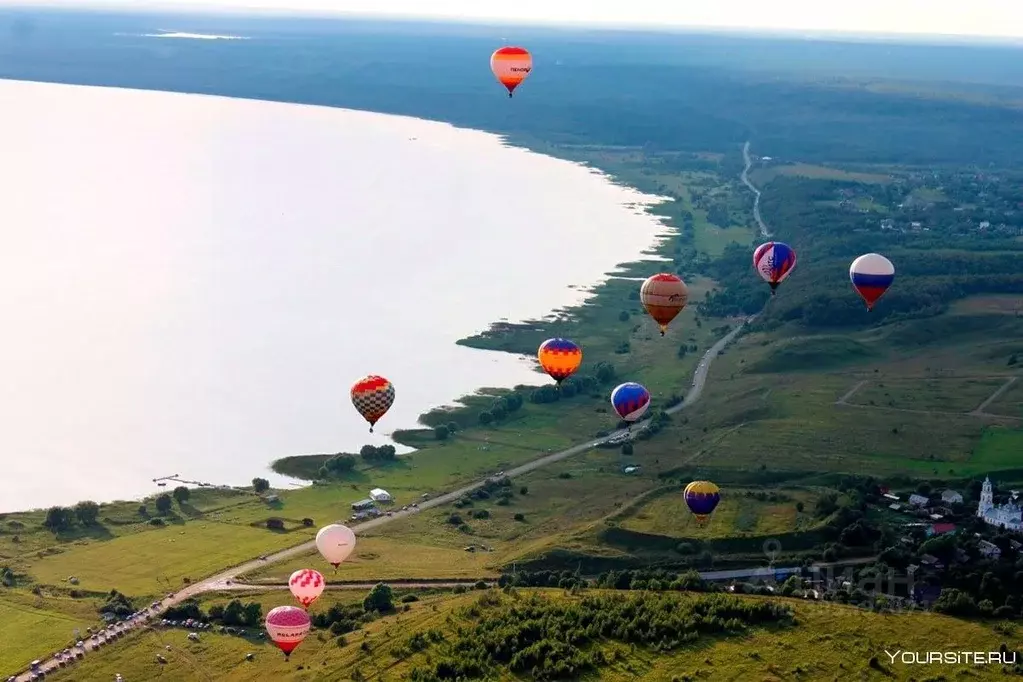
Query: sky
point(994, 18)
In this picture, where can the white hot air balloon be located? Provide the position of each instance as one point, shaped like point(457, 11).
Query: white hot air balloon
point(306, 585)
point(336, 543)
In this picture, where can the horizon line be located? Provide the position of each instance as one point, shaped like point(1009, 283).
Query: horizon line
point(820, 34)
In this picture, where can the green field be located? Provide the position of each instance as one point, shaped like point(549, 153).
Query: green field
point(762, 176)
point(826, 642)
point(738, 514)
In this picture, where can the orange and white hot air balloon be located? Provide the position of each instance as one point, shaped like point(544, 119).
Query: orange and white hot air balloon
point(511, 66)
point(664, 296)
point(306, 586)
point(372, 397)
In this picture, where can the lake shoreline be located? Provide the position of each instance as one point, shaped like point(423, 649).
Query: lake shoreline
point(588, 295)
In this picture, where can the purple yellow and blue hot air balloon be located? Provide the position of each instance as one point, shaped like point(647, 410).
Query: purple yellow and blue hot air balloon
point(773, 262)
point(560, 358)
point(630, 400)
point(702, 498)
point(871, 275)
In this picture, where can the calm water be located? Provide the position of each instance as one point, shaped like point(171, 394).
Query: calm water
point(190, 284)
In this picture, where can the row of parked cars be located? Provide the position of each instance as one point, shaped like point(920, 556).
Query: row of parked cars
point(94, 641)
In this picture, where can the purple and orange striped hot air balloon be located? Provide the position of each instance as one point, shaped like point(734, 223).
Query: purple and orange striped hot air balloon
point(372, 397)
point(511, 66)
point(560, 358)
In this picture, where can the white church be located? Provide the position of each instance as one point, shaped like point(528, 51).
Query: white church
point(1008, 515)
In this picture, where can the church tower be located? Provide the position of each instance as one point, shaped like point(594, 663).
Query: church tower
point(986, 498)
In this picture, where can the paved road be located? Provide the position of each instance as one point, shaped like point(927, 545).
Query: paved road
point(222, 580)
point(764, 232)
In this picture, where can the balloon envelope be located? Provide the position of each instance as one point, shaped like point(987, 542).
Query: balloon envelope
point(871, 275)
point(774, 261)
point(630, 400)
point(702, 498)
point(336, 543)
point(664, 296)
point(306, 585)
point(560, 358)
point(511, 66)
point(287, 627)
point(372, 397)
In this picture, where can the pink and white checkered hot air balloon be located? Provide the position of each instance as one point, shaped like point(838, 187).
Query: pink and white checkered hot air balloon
point(307, 586)
point(287, 627)
point(336, 543)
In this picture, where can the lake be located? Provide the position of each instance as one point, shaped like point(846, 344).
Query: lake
point(190, 284)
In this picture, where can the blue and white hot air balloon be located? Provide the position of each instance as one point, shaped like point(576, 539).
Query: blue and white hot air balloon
point(630, 400)
point(871, 275)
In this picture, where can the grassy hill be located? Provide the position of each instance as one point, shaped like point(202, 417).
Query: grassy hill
point(784, 639)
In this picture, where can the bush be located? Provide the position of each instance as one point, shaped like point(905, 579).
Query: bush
point(520, 517)
point(308, 523)
point(156, 522)
point(409, 598)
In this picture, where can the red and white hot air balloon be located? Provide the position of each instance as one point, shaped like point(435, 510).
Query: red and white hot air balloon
point(307, 586)
point(287, 627)
point(511, 65)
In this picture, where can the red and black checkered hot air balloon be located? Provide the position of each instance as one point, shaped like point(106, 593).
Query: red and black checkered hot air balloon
point(372, 397)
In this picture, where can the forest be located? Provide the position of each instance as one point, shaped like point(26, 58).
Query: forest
point(658, 92)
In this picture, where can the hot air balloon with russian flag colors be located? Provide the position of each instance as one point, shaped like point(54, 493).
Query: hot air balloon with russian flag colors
point(702, 498)
point(287, 627)
point(871, 275)
point(631, 401)
point(774, 262)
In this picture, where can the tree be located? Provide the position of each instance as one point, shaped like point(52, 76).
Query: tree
point(523, 490)
point(441, 432)
point(260, 485)
point(499, 411)
point(486, 417)
point(163, 503)
point(143, 512)
point(252, 614)
point(58, 519)
point(799, 507)
point(87, 512)
point(380, 598)
point(181, 494)
point(627, 449)
point(452, 427)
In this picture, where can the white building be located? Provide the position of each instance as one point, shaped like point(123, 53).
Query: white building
point(951, 497)
point(1008, 516)
point(918, 500)
point(380, 495)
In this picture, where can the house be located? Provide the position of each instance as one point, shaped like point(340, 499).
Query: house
point(931, 561)
point(895, 507)
point(936, 517)
point(893, 498)
point(272, 499)
point(918, 500)
point(1015, 545)
point(951, 497)
point(989, 549)
point(380, 495)
point(362, 504)
point(941, 529)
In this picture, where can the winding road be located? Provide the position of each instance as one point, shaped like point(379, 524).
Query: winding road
point(764, 232)
point(226, 579)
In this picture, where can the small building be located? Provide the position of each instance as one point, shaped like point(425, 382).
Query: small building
point(380, 495)
point(893, 498)
point(989, 549)
point(630, 470)
point(272, 499)
point(951, 497)
point(362, 504)
point(941, 529)
point(918, 500)
point(931, 561)
point(936, 517)
point(895, 506)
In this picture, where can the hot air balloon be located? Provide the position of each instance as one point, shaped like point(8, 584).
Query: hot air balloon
point(511, 66)
point(336, 543)
point(774, 261)
point(372, 397)
point(306, 585)
point(560, 358)
point(702, 498)
point(630, 401)
point(871, 275)
point(664, 296)
point(287, 627)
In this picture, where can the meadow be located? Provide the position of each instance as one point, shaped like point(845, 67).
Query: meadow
point(825, 642)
